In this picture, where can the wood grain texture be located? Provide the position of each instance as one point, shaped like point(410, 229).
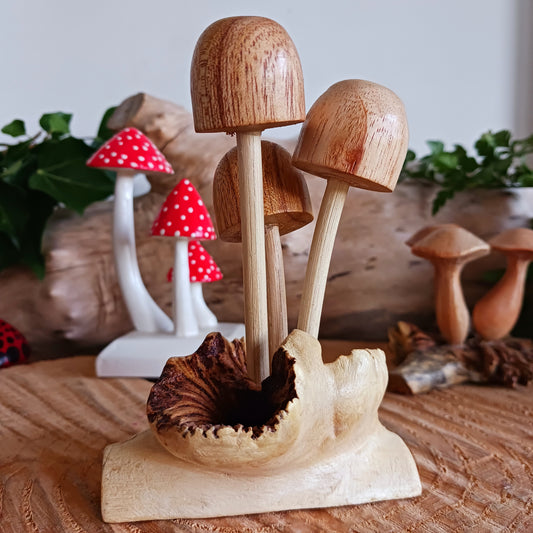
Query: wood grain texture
point(286, 199)
point(472, 446)
point(246, 75)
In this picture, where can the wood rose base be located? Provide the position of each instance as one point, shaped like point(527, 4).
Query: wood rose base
point(142, 481)
point(311, 439)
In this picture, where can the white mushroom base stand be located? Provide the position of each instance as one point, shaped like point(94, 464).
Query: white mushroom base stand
point(322, 446)
point(143, 355)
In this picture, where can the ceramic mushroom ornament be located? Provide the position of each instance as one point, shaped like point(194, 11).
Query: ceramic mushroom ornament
point(495, 315)
point(202, 269)
point(450, 248)
point(183, 217)
point(355, 135)
point(245, 77)
point(128, 153)
point(287, 207)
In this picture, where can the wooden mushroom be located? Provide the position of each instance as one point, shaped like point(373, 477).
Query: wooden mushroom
point(287, 207)
point(246, 77)
point(356, 135)
point(183, 216)
point(128, 153)
point(449, 248)
point(495, 315)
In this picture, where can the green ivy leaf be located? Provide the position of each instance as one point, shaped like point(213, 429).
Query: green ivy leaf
point(442, 197)
point(13, 211)
point(63, 174)
point(15, 128)
point(56, 124)
point(502, 138)
point(446, 161)
point(436, 147)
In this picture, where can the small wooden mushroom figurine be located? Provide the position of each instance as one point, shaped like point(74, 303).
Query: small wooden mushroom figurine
point(183, 216)
point(128, 153)
point(245, 77)
point(495, 315)
point(449, 248)
point(287, 207)
point(356, 135)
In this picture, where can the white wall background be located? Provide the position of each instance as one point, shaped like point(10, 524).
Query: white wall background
point(461, 66)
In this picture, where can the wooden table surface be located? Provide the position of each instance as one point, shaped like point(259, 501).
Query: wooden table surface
point(473, 447)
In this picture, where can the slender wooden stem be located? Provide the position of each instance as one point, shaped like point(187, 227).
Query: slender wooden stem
point(495, 314)
point(277, 298)
point(316, 274)
point(253, 253)
point(185, 324)
point(451, 311)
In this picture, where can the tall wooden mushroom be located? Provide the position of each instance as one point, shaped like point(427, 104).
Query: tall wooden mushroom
point(287, 207)
point(449, 248)
point(495, 315)
point(246, 77)
point(356, 135)
point(128, 153)
point(183, 216)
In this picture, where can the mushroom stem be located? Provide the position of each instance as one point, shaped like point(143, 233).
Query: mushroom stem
point(145, 314)
point(204, 315)
point(316, 274)
point(452, 313)
point(277, 298)
point(495, 314)
point(253, 254)
point(185, 324)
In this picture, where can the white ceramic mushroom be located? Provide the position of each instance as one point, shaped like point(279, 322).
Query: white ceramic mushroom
point(202, 269)
point(128, 153)
point(183, 216)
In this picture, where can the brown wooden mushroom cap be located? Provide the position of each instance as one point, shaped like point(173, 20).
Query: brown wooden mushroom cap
point(426, 230)
point(514, 241)
point(355, 132)
point(451, 242)
point(246, 76)
point(286, 197)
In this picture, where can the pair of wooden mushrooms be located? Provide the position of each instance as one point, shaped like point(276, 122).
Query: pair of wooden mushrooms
point(449, 248)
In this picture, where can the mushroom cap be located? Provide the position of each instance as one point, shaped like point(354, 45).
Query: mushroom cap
point(517, 241)
point(130, 149)
point(426, 230)
point(450, 242)
point(355, 132)
point(202, 267)
point(183, 214)
point(246, 76)
point(286, 198)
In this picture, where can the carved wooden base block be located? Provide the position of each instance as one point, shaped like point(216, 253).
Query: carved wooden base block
point(142, 481)
point(222, 445)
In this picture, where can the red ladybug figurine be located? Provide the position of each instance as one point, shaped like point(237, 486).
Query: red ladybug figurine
point(13, 346)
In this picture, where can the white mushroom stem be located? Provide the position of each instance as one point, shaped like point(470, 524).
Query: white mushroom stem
point(204, 315)
point(452, 313)
point(495, 315)
point(145, 314)
point(185, 323)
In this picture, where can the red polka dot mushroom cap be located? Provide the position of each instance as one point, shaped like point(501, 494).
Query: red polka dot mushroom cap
point(130, 149)
point(202, 267)
point(183, 214)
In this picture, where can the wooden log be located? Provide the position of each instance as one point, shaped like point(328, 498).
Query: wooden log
point(373, 281)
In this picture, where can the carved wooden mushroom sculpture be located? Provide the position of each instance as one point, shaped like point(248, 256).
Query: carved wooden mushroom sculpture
point(129, 152)
point(449, 249)
point(287, 207)
point(245, 77)
point(495, 315)
point(356, 135)
point(202, 269)
point(183, 216)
